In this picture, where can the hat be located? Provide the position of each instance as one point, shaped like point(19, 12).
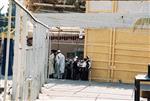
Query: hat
point(58, 51)
point(76, 56)
point(52, 50)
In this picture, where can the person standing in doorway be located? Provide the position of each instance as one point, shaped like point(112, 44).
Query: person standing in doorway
point(51, 64)
point(68, 68)
point(60, 64)
point(75, 72)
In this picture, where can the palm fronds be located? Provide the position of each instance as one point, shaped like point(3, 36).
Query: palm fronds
point(141, 23)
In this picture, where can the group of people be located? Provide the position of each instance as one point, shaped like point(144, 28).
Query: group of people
point(69, 68)
point(77, 69)
point(56, 64)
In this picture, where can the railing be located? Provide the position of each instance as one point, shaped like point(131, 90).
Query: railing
point(30, 60)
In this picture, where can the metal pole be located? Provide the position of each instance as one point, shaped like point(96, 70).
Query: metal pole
point(7, 51)
point(49, 51)
point(58, 37)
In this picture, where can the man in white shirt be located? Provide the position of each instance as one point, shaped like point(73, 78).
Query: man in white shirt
point(60, 64)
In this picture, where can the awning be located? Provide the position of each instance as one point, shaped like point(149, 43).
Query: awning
point(90, 20)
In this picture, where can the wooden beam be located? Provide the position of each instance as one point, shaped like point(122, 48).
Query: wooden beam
point(53, 5)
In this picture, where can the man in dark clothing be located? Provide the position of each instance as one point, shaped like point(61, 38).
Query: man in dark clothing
point(83, 69)
point(76, 73)
point(85, 66)
point(88, 66)
point(68, 68)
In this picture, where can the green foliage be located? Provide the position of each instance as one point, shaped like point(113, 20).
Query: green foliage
point(142, 22)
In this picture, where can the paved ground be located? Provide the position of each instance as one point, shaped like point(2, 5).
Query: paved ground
point(9, 82)
point(67, 90)
point(80, 90)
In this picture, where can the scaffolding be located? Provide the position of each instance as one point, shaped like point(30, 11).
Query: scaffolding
point(56, 5)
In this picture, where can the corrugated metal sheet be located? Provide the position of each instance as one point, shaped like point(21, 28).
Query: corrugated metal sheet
point(30, 62)
point(90, 20)
point(117, 54)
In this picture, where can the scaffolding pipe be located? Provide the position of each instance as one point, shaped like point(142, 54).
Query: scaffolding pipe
point(7, 51)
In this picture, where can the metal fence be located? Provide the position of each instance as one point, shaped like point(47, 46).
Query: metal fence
point(30, 55)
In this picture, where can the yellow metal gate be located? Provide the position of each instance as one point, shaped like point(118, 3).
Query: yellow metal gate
point(117, 54)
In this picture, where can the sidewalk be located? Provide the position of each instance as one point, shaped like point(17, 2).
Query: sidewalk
point(80, 90)
point(68, 90)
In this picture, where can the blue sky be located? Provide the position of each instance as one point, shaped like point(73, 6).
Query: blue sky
point(5, 3)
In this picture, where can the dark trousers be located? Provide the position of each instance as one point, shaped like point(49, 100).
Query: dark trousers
point(67, 73)
point(84, 74)
point(76, 74)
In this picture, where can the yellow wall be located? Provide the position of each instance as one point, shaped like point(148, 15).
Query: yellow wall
point(117, 6)
point(117, 54)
